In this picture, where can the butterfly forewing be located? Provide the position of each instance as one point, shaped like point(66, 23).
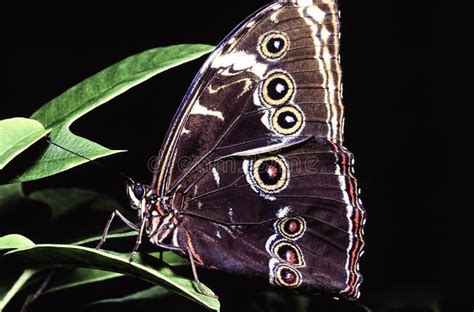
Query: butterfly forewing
point(245, 87)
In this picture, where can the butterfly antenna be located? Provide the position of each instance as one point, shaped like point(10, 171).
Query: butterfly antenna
point(95, 162)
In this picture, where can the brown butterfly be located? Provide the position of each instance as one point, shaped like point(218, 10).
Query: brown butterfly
point(252, 178)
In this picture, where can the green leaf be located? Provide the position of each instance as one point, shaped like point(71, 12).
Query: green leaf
point(10, 194)
point(75, 278)
point(62, 201)
point(154, 292)
point(109, 237)
point(6, 294)
point(14, 241)
point(80, 277)
point(171, 258)
point(104, 203)
point(16, 135)
point(62, 111)
point(48, 255)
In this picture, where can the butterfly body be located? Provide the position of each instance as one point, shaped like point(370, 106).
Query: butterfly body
point(252, 178)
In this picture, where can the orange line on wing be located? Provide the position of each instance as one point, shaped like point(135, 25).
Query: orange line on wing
point(193, 252)
point(344, 169)
point(158, 208)
point(352, 193)
point(356, 247)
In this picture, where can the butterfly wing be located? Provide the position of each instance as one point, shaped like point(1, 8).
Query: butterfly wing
point(268, 95)
point(231, 106)
point(293, 217)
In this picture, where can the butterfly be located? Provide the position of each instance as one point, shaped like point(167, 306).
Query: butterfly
point(252, 177)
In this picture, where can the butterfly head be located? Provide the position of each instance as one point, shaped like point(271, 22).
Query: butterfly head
point(142, 198)
point(153, 211)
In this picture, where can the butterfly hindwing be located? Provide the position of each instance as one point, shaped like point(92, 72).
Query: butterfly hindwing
point(241, 209)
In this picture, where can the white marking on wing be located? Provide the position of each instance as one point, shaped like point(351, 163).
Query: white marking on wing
point(342, 184)
point(261, 150)
point(325, 34)
point(266, 119)
point(225, 228)
point(269, 242)
point(316, 13)
point(280, 88)
point(304, 2)
point(248, 177)
point(332, 87)
point(259, 69)
point(250, 24)
point(174, 240)
point(216, 175)
point(240, 60)
point(272, 262)
point(283, 212)
point(274, 17)
point(349, 209)
point(248, 84)
point(231, 214)
point(256, 99)
point(198, 109)
point(268, 197)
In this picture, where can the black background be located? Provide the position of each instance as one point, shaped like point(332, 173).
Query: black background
point(392, 122)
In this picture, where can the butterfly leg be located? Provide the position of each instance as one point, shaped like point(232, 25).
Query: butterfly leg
point(109, 222)
point(171, 247)
point(197, 283)
point(139, 240)
point(34, 296)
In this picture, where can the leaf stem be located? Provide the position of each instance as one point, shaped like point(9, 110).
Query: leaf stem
point(24, 277)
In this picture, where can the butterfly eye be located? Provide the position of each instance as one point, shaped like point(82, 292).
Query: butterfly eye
point(138, 191)
point(270, 174)
point(277, 88)
point(287, 120)
point(288, 253)
point(287, 276)
point(273, 45)
point(292, 227)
